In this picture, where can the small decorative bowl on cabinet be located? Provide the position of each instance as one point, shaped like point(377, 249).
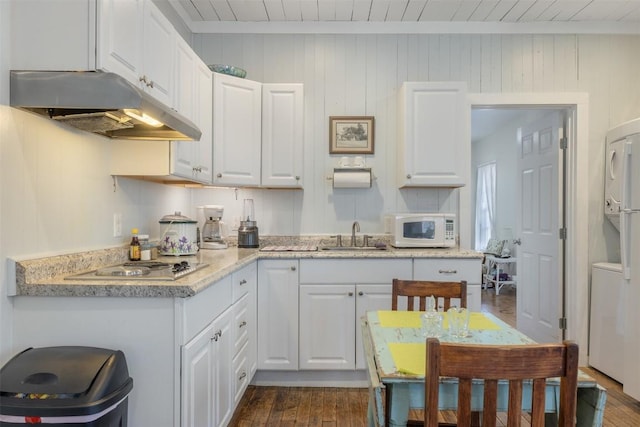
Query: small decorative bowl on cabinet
point(228, 69)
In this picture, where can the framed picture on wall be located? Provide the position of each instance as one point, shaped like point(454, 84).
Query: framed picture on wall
point(351, 134)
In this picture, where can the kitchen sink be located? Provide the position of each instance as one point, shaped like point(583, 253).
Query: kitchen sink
point(352, 248)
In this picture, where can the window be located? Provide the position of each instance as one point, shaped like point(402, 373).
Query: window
point(485, 204)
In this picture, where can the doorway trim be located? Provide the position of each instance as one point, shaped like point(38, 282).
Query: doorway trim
point(577, 201)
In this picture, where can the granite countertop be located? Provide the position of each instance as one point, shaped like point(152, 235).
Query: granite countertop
point(46, 276)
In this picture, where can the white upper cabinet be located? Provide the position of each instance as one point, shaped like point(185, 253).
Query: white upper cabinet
point(193, 159)
point(258, 133)
point(131, 38)
point(119, 40)
point(136, 41)
point(158, 49)
point(237, 109)
point(282, 134)
point(433, 134)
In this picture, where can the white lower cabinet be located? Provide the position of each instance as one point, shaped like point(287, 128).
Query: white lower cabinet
point(333, 312)
point(278, 314)
point(218, 363)
point(453, 269)
point(207, 375)
point(334, 295)
point(327, 335)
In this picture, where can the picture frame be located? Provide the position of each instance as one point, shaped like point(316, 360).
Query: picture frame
point(351, 134)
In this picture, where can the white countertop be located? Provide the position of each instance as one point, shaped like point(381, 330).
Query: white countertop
point(46, 276)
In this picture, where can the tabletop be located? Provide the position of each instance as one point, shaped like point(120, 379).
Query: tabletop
point(395, 350)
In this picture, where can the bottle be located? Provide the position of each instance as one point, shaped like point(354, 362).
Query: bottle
point(145, 247)
point(431, 320)
point(134, 247)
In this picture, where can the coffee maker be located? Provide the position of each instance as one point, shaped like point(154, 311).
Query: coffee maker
point(248, 230)
point(212, 230)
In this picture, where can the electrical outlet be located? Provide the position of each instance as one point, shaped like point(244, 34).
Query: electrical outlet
point(117, 225)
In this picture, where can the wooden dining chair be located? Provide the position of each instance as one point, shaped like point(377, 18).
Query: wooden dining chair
point(423, 289)
point(514, 363)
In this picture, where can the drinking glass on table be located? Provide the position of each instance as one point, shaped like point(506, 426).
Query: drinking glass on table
point(458, 318)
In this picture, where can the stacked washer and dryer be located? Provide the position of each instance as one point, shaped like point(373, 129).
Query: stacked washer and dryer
point(614, 337)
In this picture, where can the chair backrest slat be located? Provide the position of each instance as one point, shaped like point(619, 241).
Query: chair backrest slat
point(423, 289)
point(518, 364)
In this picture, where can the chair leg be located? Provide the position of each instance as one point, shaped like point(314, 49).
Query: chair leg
point(475, 418)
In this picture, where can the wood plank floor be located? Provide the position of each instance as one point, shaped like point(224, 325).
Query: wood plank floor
point(329, 407)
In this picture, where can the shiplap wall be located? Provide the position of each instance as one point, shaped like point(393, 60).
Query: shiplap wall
point(360, 75)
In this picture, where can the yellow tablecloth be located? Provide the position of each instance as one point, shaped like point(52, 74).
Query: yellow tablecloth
point(411, 319)
point(409, 358)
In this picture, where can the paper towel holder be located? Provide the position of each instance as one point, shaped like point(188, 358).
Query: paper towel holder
point(352, 177)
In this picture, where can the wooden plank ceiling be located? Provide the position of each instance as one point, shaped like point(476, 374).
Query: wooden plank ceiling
point(506, 11)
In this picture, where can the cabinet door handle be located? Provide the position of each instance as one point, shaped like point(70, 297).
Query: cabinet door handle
point(242, 376)
point(447, 271)
point(242, 282)
point(350, 294)
point(297, 178)
point(360, 293)
point(408, 176)
point(219, 175)
point(217, 335)
point(242, 324)
point(293, 268)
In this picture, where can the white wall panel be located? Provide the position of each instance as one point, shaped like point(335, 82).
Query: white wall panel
point(360, 75)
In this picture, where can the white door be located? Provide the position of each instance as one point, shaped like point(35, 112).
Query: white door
point(539, 288)
point(278, 314)
point(327, 332)
point(431, 140)
point(370, 297)
point(197, 380)
point(282, 134)
point(120, 38)
point(237, 130)
point(222, 370)
point(158, 54)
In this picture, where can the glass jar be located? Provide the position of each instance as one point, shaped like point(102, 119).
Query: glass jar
point(145, 247)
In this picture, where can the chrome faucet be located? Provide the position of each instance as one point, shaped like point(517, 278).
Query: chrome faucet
point(355, 227)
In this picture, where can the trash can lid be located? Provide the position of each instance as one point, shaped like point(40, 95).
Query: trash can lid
point(66, 371)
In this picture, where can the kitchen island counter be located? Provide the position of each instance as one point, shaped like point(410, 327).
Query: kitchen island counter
point(46, 276)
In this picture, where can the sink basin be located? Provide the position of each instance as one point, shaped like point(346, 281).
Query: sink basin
point(352, 248)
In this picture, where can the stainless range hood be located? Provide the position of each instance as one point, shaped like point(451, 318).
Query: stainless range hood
point(97, 102)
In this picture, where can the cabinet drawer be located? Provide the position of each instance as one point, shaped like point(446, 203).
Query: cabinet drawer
point(243, 279)
point(241, 323)
point(354, 270)
point(241, 376)
point(199, 310)
point(448, 269)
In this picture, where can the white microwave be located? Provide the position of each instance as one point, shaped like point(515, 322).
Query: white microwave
point(421, 230)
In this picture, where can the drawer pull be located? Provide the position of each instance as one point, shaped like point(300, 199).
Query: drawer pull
point(243, 324)
point(242, 376)
point(242, 282)
point(217, 335)
point(293, 268)
point(447, 271)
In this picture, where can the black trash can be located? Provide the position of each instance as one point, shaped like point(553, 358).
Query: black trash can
point(65, 386)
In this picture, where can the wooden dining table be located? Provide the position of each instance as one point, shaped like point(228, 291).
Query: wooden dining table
point(394, 348)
